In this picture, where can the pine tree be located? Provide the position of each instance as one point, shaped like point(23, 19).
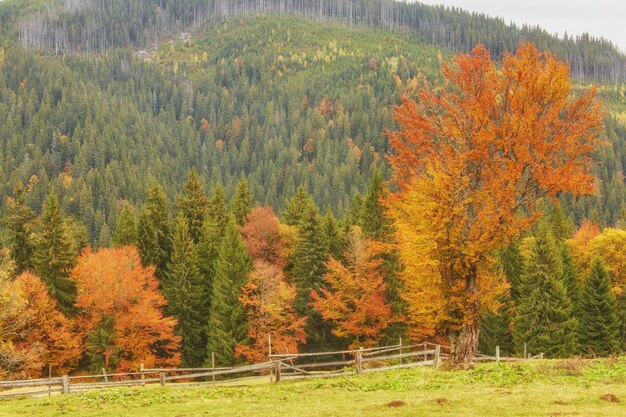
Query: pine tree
point(561, 226)
point(570, 277)
point(55, 255)
point(599, 326)
point(242, 202)
point(193, 204)
point(227, 325)
point(19, 229)
point(125, 229)
point(544, 314)
point(334, 241)
point(309, 259)
point(182, 288)
point(512, 263)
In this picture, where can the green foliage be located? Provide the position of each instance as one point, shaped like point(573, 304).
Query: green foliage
point(157, 219)
point(193, 204)
point(242, 202)
point(19, 222)
point(125, 229)
point(55, 255)
point(599, 327)
point(227, 319)
point(372, 218)
point(182, 288)
point(544, 317)
point(298, 207)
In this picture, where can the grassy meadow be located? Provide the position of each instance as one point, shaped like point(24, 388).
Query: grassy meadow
point(538, 388)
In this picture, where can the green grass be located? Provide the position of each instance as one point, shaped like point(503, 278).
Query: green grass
point(541, 388)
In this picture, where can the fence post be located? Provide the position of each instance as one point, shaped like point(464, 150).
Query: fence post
point(277, 371)
point(65, 381)
point(436, 358)
point(49, 380)
point(359, 361)
point(541, 355)
point(213, 367)
point(525, 351)
point(143, 376)
point(162, 378)
point(497, 354)
point(400, 343)
point(104, 374)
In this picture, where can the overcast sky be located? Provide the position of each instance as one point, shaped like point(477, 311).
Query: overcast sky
point(606, 18)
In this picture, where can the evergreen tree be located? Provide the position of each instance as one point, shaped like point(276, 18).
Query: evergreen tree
point(55, 255)
point(570, 277)
point(512, 264)
point(19, 223)
point(309, 259)
point(330, 226)
point(182, 288)
point(157, 212)
point(148, 239)
point(352, 216)
point(125, 229)
point(242, 202)
point(599, 326)
point(561, 226)
point(217, 210)
point(298, 207)
point(372, 218)
point(227, 324)
point(544, 313)
point(194, 204)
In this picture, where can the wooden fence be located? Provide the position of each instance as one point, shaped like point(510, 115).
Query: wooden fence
point(279, 367)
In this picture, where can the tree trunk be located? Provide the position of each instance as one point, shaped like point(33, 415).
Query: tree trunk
point(464, 343)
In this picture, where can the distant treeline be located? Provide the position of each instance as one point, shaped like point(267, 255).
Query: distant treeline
point(92, 26)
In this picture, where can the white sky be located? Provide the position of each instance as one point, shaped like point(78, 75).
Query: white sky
point(606, 18)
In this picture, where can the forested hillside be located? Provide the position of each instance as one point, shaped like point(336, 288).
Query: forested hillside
point(228, 162)
point(94, 26)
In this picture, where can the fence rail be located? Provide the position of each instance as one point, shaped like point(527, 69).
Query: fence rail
point(279, 366)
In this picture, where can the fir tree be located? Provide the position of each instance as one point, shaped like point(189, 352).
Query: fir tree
point(55, 255)
point(227, 324)
point(599, 326)
point(182, 288)
point(194, 204)
point(242, 202)
point(544, 314)
point(512, 264)
point(561, 226)
point(125, 229)
point(570, 277)
point(19, 229)
point(330, 226)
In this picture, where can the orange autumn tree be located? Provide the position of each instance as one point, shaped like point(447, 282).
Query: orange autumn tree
point(471, 158)
point(355, 300)
point(47, 331)
point(121, 312)
point(268, 299)
point(262, 236)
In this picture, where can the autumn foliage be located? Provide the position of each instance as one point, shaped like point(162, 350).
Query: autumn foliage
point(268, 299)
point(470, 161)
point(121, 311)
point(262, 236)
point(355, 298)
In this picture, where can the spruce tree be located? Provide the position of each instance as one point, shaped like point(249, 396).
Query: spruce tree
point(182, 288)
point(334, 241)
point(19, 224)
point(242, 202)
point(158, 214)
point(372, 218)
point(298, 206)
point(125, 229)
point(570, 277)
point(599, 326)
point(193, 204)
point(227, 324)
point(218, 211)
point(309, 259)
point(55, 255)
point(544, 313)
point(148, 239)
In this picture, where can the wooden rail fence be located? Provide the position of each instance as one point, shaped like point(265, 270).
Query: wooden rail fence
point(280, 366)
